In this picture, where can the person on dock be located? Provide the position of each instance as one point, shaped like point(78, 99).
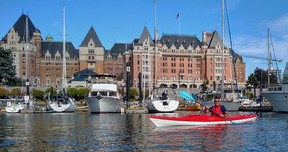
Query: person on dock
point(217, 109)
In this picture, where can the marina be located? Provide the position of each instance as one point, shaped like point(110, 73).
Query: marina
point(135, 132)
point(147, 91)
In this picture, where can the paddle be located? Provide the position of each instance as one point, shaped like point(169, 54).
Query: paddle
point(189, 97)
point(186, 96)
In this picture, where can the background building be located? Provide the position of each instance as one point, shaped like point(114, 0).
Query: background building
point(183, 61)
point(91, 53)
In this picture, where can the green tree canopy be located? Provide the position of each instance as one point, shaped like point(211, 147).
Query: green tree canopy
point(16, 92)
point(72, 92)
point(83, 92)
point(133, 93)
point(3, 93)
point(7, 70)
point(38, 94)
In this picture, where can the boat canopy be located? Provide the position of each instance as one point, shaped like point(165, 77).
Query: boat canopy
point(104, 87)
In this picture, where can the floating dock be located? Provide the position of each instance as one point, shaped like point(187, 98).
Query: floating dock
point(257, 108)
point(137, 110)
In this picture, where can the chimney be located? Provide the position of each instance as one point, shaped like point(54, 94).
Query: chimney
point(204, 37)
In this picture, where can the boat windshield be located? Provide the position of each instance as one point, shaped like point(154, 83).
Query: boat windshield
point(278, 88)
point(104, 93)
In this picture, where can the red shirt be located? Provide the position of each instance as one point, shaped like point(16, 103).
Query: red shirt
point(216, 110)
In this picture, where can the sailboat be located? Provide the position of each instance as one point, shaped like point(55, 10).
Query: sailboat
point(277, 94)
point(64, 103)
point(230, 105)
point(163, 99)
point(16, 105)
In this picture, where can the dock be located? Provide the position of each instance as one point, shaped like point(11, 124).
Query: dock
point(257, 108)
point(136, 110)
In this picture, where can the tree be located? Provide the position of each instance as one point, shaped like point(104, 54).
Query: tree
point(252, 80)
point(3, 93)
point(262, 77)
point(72, 92)
point(7, 70)
point(82, 92)
point(133, 93)
point(16, 92)
point(38, 94)
point(48, 90)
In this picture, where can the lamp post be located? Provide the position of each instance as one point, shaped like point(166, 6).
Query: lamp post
point(128, 85)
point(179, 79)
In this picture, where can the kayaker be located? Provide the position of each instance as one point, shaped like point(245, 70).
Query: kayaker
point(217, 109)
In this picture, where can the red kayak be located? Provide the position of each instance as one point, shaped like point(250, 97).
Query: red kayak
point(196, 120)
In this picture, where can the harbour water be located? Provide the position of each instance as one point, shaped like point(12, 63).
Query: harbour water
point(135, 132)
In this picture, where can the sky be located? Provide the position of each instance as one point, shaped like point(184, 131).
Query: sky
point(121, 21)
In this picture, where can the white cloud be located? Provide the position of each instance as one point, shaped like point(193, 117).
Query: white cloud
point(257, 46)
point(279, 25)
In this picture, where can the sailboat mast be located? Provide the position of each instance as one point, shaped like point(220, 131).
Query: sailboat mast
point(233, 55)
point(269, 58)
point(64, 50)
point(149, 64)
point(222, 78)
point(155, 47)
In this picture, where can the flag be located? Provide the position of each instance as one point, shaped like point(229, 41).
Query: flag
point(178, 15)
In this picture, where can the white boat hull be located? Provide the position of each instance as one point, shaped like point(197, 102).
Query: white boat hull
point(279, 100)
point(278, 95)
point(164, 106)
point(14, 108)
point(60, 107)
point(104, 104)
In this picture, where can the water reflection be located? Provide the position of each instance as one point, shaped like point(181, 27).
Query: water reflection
point(203, 138)
point(135, 132)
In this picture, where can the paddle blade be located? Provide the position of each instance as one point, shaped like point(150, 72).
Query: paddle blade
point(186, 95)
point(193, 96)
point(235, 123)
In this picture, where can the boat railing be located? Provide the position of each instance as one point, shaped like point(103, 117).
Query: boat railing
point(103, 81)
point(3, 102)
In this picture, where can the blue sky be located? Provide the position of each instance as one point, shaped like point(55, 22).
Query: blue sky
point(121, 21)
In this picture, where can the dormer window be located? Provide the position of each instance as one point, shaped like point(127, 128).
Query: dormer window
point(47, 55)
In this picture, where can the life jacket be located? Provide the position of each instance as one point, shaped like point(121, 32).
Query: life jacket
point(215, 110)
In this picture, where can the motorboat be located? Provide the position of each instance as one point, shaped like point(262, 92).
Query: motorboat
point(278, 95)
point(104, 96)
point(198, 120)
point(249, 103)
point(193, 107)
point(163, 100)
point(14, 106)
